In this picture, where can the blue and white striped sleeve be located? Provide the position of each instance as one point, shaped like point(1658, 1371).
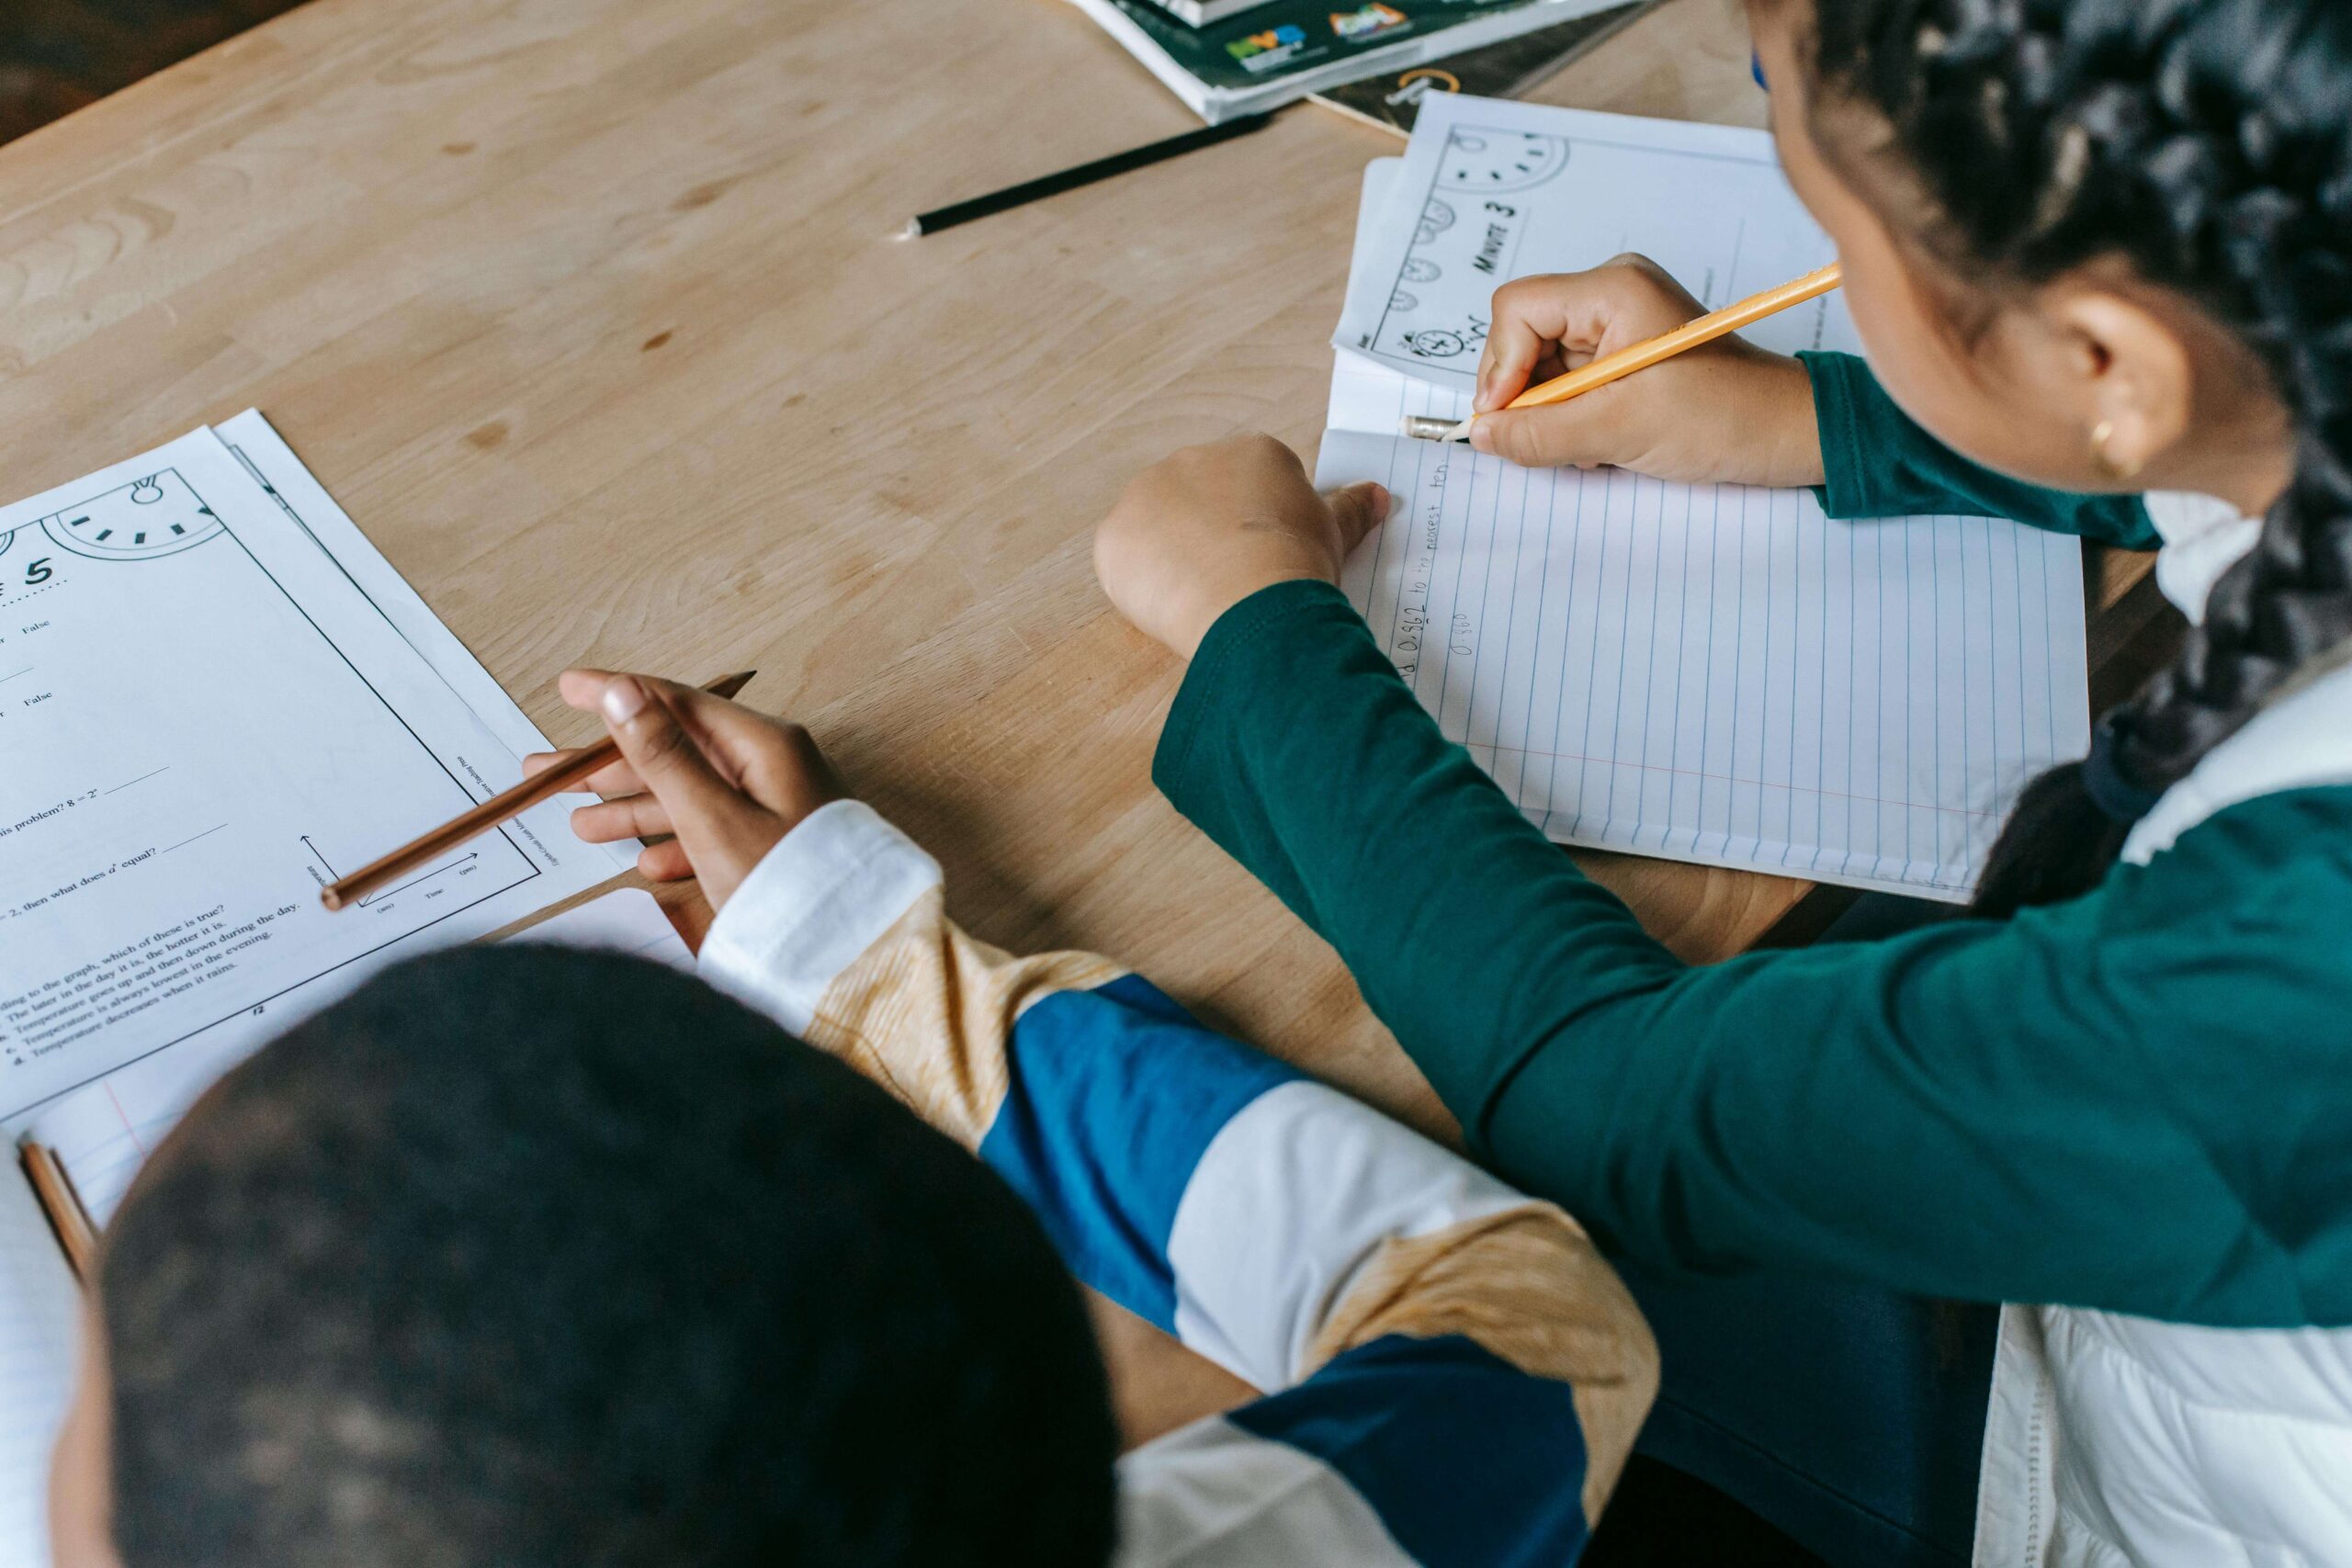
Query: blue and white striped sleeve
point(1451, 1373)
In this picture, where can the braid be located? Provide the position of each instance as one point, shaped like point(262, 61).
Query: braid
point(2209, 143)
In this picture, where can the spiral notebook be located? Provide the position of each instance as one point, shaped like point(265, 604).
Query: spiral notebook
point(1707, 673)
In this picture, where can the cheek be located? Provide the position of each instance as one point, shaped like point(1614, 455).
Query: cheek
point(1969, 395)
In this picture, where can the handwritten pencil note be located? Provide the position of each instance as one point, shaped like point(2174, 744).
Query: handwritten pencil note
point(1722, 674)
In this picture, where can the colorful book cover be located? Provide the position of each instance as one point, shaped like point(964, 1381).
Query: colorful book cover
point(1393, 100)
point(1286, 37)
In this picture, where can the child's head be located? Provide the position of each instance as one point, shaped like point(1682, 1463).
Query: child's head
point(2106, 244)
point(529, 1257)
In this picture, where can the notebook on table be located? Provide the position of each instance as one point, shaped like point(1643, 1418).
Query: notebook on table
point(1715, 674)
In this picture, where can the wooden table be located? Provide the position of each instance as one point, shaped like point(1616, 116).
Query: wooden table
point(593, 314)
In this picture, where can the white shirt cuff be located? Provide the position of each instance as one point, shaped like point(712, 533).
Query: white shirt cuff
point(808, 911)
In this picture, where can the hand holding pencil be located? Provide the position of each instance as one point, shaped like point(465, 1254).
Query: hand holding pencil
point(1724, 412)
point(718, 784)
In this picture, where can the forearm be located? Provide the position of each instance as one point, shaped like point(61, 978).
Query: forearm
point(1955, 1114)
point(1270, 1222)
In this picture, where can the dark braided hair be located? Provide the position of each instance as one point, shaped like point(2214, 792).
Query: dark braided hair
point(2208, 144)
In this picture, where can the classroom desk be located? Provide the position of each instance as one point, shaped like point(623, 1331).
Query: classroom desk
point(593, 314)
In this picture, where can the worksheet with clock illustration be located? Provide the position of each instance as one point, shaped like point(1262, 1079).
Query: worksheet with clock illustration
point(203, 719)
point(1492, 191)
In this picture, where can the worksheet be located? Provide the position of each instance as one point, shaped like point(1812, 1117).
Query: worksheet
point(1492, 190)
point(1705, 673)
point(104, 1132)
point(203, 719)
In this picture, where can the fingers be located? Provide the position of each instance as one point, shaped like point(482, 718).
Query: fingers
point(645, 719)
point(1574, 317)
point(618, 779)
point(1358, 509)
point(1537, 318)
point(630, 816)
point(665, 862)
point(1585, 430)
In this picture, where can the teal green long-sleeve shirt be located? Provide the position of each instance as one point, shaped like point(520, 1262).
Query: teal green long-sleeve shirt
point(2133, 1101)
point(1882, 464)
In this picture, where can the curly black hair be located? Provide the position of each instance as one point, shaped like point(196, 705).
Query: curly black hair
point(2208, 144)
point(547, 1259)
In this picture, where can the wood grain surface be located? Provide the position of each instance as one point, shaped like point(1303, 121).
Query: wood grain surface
point(592, 314)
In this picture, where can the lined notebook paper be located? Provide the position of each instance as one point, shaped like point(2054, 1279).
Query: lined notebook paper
point(1706, 674)
point(38, 1303)
point(1722, 674)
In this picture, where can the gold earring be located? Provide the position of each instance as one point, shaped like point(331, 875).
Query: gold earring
point(2119, 473)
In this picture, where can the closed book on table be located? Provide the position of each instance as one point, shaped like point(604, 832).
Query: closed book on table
point(1280, 51)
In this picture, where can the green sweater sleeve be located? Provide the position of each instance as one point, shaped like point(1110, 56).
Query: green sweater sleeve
point(1881, 463)
point(1981, 1110)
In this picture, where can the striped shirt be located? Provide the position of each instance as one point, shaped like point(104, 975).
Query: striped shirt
point(1449, 1372)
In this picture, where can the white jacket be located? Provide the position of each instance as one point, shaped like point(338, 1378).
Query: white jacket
point(2119, 1442)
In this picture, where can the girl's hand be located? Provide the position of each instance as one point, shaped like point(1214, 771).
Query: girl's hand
point(1197, 532)
point(1728, 413)
point(728, 783)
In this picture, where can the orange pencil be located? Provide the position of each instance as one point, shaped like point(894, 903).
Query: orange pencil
point(1642, 355)
point(58, 1200)
point(349, 890)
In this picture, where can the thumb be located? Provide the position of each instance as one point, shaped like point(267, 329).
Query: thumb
point(1358, 509)
point(1582, 431)
point(665, 757)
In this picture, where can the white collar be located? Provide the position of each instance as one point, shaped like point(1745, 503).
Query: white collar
point(2203, 537)
point(2300, 740)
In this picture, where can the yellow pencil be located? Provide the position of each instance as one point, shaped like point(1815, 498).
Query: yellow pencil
point(1642, 355)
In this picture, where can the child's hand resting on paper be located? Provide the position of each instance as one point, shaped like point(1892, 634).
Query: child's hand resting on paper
point(1199, 532)
point(1729, 413)
point(727, 781)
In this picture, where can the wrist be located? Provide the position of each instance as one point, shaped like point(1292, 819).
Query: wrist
point(1785, 410)
point(1194, 627)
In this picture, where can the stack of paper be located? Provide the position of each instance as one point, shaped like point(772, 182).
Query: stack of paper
point(1707, 673)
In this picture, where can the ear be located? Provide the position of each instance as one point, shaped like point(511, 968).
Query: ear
point(2136, 372)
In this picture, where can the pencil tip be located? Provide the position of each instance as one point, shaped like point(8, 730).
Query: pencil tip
point(729, 685)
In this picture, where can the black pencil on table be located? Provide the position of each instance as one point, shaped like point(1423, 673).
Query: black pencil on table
point(1084, 175)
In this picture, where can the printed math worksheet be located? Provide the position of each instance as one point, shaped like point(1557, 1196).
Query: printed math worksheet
point(203, 719)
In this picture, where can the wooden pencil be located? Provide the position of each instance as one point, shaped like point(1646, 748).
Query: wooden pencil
point(54, 1190)
point(346, 891)
point(1682, 340)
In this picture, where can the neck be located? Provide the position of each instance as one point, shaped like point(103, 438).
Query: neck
point(2249, 468)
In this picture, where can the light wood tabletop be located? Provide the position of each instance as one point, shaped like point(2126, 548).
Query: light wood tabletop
point(593, 314)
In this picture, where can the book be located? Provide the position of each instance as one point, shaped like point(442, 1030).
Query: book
point(1392, 101)
point(1200, 13)
point(1712, 674)
point(1279, 52)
